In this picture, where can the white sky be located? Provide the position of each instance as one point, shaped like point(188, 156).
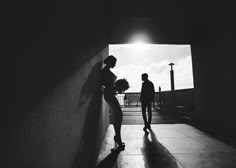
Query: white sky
point(153, 59)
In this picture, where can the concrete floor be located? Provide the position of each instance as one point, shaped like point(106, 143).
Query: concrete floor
point(133, 116)
point(166, 146)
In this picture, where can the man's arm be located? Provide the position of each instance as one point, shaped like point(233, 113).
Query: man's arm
point(153, 91)
point(141, 93)
point(153, 88)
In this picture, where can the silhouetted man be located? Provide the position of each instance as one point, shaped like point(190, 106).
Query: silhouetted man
point(146, 98)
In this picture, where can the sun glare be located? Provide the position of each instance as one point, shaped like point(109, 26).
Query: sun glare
point(139, 41)
point(139, 46)
point(140, 37)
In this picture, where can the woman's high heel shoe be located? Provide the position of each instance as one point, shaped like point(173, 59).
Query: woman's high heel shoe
point(119, 143)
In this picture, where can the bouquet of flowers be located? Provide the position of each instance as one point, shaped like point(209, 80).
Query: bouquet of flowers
point(121, 85)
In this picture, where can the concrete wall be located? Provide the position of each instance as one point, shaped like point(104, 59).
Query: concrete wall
point(212, 55)
point(59, 119)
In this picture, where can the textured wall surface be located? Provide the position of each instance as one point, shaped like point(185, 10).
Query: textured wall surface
point(59, 119)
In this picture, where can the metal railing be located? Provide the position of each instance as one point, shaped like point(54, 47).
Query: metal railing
point(183, 100)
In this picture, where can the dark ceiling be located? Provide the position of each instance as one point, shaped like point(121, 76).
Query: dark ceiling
point(165, 21)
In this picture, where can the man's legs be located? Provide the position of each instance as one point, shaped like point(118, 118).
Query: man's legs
point(144, 106)
point(149, 106)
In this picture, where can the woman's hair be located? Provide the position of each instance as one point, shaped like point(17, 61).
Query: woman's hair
point(109, 59)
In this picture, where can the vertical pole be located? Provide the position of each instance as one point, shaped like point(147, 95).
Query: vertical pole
point(160, 99)
point(172, 108)
point(172, 81)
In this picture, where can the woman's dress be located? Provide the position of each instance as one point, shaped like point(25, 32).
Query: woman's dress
point(108, 81)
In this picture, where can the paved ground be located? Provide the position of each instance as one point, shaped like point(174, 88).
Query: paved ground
point(133, 116)
point(166, 146)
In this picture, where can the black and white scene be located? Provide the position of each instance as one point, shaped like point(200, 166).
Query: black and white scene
point(119, 84)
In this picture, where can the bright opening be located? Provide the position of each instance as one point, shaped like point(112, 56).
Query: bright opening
point(153, 59)
point(139, 38)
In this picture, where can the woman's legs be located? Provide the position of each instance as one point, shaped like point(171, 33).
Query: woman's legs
point(116, 113)
point(117, 128)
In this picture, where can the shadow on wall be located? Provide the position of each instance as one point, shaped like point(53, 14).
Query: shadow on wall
point(66, 130)
point(86, 156)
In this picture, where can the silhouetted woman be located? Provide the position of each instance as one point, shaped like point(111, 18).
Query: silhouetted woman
point(108, 81)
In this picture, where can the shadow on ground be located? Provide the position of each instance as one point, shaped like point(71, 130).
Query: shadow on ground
point(111, 160)
point(156, 155)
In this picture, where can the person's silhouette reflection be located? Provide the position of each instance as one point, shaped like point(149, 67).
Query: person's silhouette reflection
point(156, 155)
point(111, 160)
